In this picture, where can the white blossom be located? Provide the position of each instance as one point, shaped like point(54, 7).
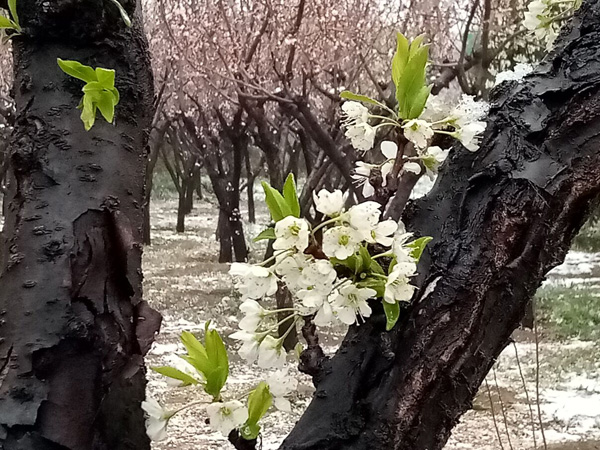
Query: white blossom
point(432, 160)
point(419, 132)
point(361, 177)
point(329, 203)
point(364, 217)
point(534, 14)
point(157, 419)
point(290, 267)
point(389, 149)
point(351, 301)
point(381, 233)
point(341, 242)
point(399, 249)
point(281, 384)
point(397, 287)
point(271, 353)
point(362, 136)
point(253, 281)
point(469, 135)
point(291, 232)
point(412, 167)
point(355, 112)
point(253, 315)
point(250, 345)
point(227, 416)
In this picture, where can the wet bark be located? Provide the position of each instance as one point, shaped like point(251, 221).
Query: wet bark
point(74, 327)
point(500, 218)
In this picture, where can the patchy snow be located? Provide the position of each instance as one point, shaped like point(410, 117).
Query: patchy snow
point(186, 283)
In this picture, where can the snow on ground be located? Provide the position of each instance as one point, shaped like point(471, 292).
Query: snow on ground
point(184, 281)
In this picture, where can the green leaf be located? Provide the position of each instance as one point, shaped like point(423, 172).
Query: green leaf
point(78, 70)
point(269, 233)
point(376, 267)
point(278, 207)
point(12, 6)
point(418, 246)
point(176, 374)
point(400, 58)
point(123, 13)
point(392, 314)
point(6, 23)
point(412, 81)
point(291, 196)
point(106, 105)
point(365, 260)
point(106, 77)
point(116, 95)
point(88, 112)
point(197, 355)
point(216, 377)
point(419, 102)
point(259, 402)
point(347, 95)
point(415, 45)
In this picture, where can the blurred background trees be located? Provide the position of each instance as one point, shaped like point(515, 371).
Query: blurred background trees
point(249, 90)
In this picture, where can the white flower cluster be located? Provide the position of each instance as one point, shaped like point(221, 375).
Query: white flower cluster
point(462, 122)
point(325, 288)
point(543, 18)
point(519, 72)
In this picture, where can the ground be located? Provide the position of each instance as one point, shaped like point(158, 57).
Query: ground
point(187, 284)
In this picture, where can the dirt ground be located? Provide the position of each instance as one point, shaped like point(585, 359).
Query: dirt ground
point(187, 284)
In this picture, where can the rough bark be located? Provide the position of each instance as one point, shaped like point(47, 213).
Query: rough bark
point(501, 218)
point(74, 327)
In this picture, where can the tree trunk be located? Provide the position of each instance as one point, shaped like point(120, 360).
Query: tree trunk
point(181, 205)
point(189, 187)
point(74, 327)
point(500, 218)
point(224, 233)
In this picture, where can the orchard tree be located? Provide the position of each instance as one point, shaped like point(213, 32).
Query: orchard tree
point(74, 327)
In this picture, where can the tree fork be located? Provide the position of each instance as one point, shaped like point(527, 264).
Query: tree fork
point(500, 218)
point(74, 327)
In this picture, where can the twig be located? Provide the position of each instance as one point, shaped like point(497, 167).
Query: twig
point(502, 409)
point(526, 394)
point(487, 386)
point(537, 374)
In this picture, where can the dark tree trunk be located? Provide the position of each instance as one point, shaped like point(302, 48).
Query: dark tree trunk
point(74, 327)
point(181, 205)
point(501, 218)
point(224, 234)
point(189, 187)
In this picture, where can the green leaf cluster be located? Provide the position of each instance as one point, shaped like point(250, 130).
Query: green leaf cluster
point(210, 359)
point(409, 75)
point(259, 402)
point(11, 23)
point(99, 92)
point(281, 204)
